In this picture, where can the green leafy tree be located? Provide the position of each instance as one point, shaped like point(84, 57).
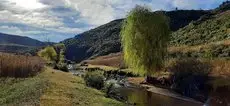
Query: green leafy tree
point(48, 54)
point(144, 37)
point(60, 49)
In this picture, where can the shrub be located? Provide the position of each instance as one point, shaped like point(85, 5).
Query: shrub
point(94, 79)
point(62, 67)
point(108, 89)
point(49, 54)
point(19, 66)
point(190, 76)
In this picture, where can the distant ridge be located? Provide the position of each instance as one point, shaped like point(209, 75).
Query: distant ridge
point(18, 44)
point(19, 40)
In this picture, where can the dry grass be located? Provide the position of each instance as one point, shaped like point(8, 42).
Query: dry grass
point(19, 66)
point(221, 68)
point(113, 60)
point(116, 59)
point(136, 80)
point(102, 67)
point(185, 48)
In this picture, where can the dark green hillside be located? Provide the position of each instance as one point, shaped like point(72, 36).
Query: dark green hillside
point(105, 39)
point(98, 41)
point(214, 29)
point(181, 18)
point(223, 7)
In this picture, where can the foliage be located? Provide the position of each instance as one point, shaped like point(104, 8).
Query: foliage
point(189, 76)
point(144, 40)
point(94, 79)
point(62, 67)
point(48, 54)
point(19, 66)
point(60, 49)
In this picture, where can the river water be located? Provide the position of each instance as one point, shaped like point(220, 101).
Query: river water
point(142, 97)
point(137, 96)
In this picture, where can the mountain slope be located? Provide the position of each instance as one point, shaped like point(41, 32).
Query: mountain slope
point(98, 41)
point(105, 39)
point(19, 40)
point(215, 28)
point(18, 44)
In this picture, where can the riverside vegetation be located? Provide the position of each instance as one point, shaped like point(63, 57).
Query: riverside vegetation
point(26, 81)
point(193, 62)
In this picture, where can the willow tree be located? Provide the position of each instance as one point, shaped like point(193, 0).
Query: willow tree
point(48, 53)
point(144, 37)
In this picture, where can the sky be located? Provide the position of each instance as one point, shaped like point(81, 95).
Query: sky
point(56, 20)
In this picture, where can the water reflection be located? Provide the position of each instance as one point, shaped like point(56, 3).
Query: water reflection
point(219, 97)
point(141, 97)
point(220, 94)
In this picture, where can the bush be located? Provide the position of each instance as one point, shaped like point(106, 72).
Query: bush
point(48, 53)
point(190, 76)
point(94, 79)
point(19, 66)
point(62, 67)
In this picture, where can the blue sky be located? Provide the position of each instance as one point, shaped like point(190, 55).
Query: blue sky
point(56, 20)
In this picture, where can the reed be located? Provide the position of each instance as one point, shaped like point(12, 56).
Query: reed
point(19, 66)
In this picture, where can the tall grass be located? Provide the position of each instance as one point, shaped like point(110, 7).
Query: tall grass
point(19, 66)
point(113, 60)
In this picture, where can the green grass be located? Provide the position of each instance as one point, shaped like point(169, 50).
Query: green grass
point(51, 88)
point(68, 90)
point(21, 91)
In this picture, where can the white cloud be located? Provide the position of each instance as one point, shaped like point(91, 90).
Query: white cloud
point(76, 16)
point(66, 30)
point(17, 31)
point(27, 4)
point(10, 30)
point(31, 18)
point(196, 4)
point(94, 12)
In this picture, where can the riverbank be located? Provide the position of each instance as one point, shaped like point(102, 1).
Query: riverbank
point(205, 81)
point(217, 94)
point(52, 88)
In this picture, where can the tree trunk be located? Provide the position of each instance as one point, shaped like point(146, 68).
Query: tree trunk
point(150, 80)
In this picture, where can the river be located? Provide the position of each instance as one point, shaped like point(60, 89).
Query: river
point(138, 96)
point(142, 97)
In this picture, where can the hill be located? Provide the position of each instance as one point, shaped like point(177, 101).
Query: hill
point(208, 37)
point(105, 39)
point(18, 44)
point(215, 28)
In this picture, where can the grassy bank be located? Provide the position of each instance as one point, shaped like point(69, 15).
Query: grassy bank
point(22, 91)
point(68, 90)
point(51, 88)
